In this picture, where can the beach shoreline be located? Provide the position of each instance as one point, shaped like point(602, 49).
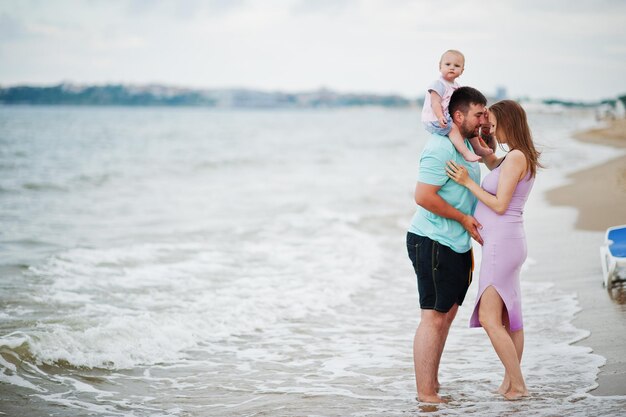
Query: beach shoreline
point(598, 194)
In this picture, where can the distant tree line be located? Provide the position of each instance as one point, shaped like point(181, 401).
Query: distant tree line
point(100, 95)
point(68, 94)
point(158, 95)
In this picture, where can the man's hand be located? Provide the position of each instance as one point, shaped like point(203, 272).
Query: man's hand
point(426, 196)
point(471, 225)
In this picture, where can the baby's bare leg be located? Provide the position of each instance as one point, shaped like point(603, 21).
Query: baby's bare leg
point(459, 143)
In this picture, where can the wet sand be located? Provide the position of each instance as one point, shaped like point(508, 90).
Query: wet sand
point(599, 196)
point(598, 193)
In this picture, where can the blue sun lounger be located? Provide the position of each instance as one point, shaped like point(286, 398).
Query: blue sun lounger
point(613, 256)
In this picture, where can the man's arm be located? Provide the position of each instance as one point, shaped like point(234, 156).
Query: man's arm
point(427, 197)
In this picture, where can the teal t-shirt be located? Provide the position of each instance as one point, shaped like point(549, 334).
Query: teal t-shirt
point(437, 152)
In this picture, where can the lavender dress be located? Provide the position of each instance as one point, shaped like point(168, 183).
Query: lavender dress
point(504, 248)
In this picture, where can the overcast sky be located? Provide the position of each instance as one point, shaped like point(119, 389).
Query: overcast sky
point(570, 49)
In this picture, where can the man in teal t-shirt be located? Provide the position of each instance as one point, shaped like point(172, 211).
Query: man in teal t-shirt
point(448, 232)
point(438, 239)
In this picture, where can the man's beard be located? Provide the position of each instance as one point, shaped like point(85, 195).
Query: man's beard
point(466, 131)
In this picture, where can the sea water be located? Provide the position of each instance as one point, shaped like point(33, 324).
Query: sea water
point(202, 262)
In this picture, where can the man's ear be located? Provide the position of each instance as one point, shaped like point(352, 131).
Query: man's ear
point(457, 116)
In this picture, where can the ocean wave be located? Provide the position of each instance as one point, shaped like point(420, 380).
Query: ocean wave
point(145, 304)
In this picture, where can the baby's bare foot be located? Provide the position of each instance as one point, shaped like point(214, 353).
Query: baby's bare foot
point(471, 157)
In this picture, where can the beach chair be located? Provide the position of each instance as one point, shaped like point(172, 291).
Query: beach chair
point(613, 256)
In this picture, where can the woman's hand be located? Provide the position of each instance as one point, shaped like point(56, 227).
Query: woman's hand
point(458, 173)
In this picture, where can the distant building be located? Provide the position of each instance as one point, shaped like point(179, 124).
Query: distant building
point(501, 93)
point(620, 107)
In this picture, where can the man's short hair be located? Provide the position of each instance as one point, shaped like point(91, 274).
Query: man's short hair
point(462, 97)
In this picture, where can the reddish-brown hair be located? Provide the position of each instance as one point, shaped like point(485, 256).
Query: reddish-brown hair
point(512, 125)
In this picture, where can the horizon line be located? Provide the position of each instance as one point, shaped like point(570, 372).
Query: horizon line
point(321, 88)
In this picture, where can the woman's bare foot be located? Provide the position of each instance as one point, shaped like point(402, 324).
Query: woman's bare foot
point(504, 387)
point(513, 395)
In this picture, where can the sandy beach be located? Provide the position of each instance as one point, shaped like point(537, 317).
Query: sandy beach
point(598, 193)
point(599, 196)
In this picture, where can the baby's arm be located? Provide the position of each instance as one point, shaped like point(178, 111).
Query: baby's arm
point(435, 104)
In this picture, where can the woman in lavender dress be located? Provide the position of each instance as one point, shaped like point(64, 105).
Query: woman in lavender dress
point(501, 202)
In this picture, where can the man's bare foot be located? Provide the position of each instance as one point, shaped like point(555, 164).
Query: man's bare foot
point(432, 399)
point(437, 387)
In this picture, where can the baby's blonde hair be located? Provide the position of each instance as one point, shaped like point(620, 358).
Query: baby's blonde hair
point(452, 51)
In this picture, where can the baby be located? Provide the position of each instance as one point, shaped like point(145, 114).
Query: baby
point(435, 115)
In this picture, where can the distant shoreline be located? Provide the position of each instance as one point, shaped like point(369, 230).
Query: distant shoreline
point(599, 192)
point(175, 96)
point(160, 95)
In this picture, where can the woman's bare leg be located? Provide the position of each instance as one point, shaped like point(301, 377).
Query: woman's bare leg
point(518, 341)
point(506, 381)
point(490, 316)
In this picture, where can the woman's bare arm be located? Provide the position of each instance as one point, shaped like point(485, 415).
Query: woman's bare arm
point(513, 169)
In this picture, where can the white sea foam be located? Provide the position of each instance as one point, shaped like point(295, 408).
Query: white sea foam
point(148, 304)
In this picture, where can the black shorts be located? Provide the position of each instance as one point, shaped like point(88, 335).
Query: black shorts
point(443, 275)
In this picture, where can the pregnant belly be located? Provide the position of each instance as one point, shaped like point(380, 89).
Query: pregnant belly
point(499, 225)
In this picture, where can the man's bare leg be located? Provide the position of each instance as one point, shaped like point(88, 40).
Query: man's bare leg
point(450, 315)
point(428, 344)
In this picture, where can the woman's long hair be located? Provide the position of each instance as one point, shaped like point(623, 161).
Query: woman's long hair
point(513, 126)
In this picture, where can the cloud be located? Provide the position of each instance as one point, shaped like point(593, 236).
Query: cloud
point(534, 47)
point(182, 9)
point(11, 28)
point(322, 6)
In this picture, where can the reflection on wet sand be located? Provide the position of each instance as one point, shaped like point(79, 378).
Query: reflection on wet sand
point(428, 408)
point(618, 295)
